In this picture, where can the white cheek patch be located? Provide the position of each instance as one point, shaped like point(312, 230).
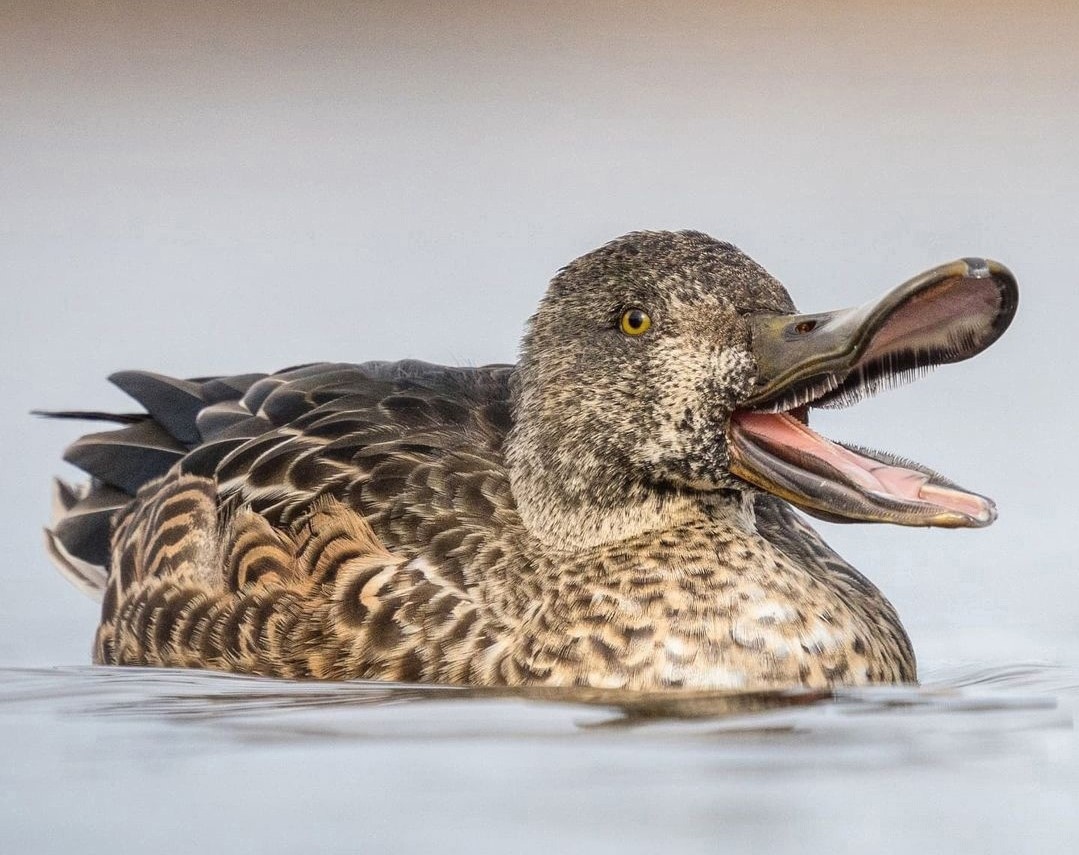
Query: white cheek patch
point(690, 372)
point(735, 369)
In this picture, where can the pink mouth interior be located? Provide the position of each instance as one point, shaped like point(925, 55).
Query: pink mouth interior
point(869, 475)
point(953, 310)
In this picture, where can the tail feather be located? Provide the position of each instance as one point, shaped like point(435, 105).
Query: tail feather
point(91, 416)
point(64, 497)
point(173, 404)
point(88, 576)
point(126, 458)
point(121, 461)
point(84, 526)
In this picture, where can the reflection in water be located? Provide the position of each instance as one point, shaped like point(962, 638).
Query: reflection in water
point(1024, 692)
point(181, 761)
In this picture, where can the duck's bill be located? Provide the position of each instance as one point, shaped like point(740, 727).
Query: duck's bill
point(834, 359)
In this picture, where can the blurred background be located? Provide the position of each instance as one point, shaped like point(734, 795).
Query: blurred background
point(199, 188)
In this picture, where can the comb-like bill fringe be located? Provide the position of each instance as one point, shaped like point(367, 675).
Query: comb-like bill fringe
point(893, 369)
point(877, 374)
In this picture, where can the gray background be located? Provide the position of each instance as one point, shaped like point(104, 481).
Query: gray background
point(202, 189)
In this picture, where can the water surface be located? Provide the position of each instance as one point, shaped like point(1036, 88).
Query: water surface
point(175, 761)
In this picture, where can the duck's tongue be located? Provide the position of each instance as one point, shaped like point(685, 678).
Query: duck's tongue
point(947, 314)
point(780, 454)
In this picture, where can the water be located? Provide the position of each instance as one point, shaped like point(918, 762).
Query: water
point(177, 761)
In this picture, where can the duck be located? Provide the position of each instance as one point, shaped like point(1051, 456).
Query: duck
point(623, 508)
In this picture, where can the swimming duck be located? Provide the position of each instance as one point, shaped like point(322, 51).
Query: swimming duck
point(614, 511)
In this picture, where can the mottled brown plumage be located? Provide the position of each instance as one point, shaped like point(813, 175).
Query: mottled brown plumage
point(569, 521)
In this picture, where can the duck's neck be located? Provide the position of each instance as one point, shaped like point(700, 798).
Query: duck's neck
point(571, 497)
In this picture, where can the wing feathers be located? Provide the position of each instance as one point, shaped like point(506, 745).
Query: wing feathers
point(174, 404)
point(126, 458)
point(273, 444)
point(84, 525)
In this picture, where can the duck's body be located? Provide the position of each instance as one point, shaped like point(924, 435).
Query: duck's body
point(403, 521)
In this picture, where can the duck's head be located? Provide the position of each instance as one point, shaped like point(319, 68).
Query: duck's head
point(665, 365)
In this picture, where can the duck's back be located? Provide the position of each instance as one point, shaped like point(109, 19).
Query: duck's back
point(233, 502)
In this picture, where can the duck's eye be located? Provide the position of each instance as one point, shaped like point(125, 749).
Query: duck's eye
point(635, 322)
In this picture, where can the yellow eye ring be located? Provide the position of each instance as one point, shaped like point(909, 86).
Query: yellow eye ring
point(635, 322)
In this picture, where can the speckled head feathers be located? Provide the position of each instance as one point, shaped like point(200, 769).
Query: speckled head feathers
point(608, 419)
point(684, 263)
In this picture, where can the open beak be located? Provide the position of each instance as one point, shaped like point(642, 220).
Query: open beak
point(833, 359)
